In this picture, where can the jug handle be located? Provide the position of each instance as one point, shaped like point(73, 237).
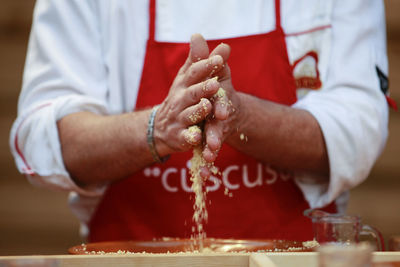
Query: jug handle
point(376, 234)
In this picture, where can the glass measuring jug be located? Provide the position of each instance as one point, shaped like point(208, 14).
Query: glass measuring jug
point(342, 229)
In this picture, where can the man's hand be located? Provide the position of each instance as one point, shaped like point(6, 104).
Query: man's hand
point(188, 102)
point(226, 109)
point(236, 114)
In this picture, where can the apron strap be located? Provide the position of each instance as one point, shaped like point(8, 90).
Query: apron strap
point(278, 14)
point(152, 20)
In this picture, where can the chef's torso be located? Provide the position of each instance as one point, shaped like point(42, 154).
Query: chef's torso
point(104, 73)
point(124, 28)
point(248, 199)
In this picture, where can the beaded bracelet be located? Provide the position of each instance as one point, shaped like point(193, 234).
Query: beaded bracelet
point(150, 137)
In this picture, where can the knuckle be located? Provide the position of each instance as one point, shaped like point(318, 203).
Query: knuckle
point(190, 137)
point(205, 106)
point(193, 72)
point(196, 116)
point(205, 86)
point(193, 94)
point(181, 70)
point(179, 96)
point(178, 81)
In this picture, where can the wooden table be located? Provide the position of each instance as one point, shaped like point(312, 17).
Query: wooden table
point(306, 259)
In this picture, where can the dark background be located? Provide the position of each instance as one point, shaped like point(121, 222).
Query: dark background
point(38, 221)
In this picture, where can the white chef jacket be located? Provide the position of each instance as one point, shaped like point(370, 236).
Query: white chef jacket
point(88, 56)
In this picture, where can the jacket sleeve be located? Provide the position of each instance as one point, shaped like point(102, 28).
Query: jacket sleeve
point(64, 73)
point(350, 108)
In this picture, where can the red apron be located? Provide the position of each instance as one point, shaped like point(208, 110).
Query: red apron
point(157, 201)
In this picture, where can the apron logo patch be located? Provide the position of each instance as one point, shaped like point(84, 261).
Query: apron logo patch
point(305, 72)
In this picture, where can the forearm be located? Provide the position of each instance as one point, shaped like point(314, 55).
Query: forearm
point(98, 148)
point(279, 135)
point(106, 148)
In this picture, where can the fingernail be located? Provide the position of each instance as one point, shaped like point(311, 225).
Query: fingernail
point(216, 60)
point(194, 36)
point(190, 134)
point(220, 93)
point(211, 82)
point(204, 102)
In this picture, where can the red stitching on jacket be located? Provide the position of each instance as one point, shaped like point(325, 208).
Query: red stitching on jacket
point(319, 28)
point(27, 169)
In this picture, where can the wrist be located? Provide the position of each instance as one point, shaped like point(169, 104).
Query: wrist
point(241, 120)
point(151, 140)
